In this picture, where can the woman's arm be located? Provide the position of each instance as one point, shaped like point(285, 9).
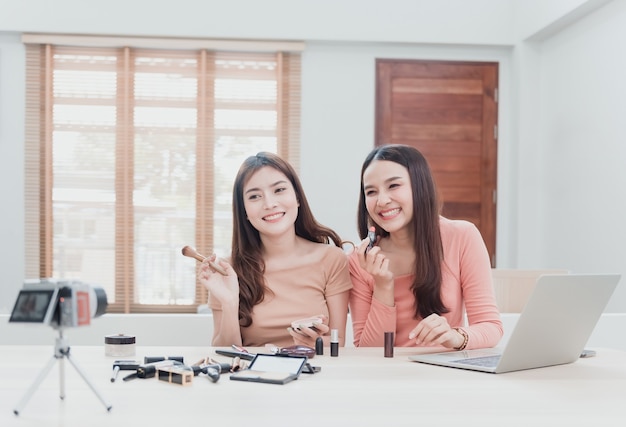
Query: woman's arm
point(223, 301)
point(338, 314)
point(226, 329)
point(370, 317)
point(485, 327)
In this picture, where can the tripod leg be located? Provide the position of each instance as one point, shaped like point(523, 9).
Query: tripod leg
point(61, 378)
point(93, 388)
point(34, 386)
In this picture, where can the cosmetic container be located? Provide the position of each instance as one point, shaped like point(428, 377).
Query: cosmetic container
point(319, 346)
point(389, 338)
point(334, 343)
point(119, 345)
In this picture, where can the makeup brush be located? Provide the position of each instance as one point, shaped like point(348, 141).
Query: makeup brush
point(192, 253)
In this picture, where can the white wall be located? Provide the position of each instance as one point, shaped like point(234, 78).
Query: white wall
point(12, 106)
point(338, 106)
point(541, 17)
point(423, 21)
point(148, 329)
point(571, 173)
point(538, 204)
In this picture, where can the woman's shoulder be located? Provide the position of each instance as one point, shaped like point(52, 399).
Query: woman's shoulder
point(325, 250)
point(330, 250)
point(455, 225)
point(452, 229)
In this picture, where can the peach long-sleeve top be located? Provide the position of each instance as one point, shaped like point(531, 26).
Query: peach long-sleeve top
point(466, 286)
point(296, 293)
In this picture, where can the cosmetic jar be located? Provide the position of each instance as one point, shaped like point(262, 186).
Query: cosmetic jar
point(119, 345)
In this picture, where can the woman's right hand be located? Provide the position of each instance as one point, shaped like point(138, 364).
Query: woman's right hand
point(374, 262)
point(223, 288)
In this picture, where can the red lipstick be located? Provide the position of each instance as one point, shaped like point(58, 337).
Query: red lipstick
point(371, 234)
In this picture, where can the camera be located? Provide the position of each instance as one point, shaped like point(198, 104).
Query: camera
point(58, 303)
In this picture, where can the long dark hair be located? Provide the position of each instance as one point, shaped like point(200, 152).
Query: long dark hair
point(246, 252)
point(426, 286)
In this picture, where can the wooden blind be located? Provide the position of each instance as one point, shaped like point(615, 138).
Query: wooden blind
point(131, 154)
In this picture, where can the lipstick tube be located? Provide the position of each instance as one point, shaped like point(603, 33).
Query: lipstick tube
point(319, 346)
point(389, 338)
point(334, 343)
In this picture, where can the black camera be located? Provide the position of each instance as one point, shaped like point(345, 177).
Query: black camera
point(58, 303)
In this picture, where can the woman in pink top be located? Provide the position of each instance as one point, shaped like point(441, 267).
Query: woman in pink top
point(425, 272)
point(282, 268)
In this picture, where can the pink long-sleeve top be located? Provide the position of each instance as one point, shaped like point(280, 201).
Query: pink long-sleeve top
point(466, 286)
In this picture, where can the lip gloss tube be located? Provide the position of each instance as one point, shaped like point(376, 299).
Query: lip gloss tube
point(334, 343)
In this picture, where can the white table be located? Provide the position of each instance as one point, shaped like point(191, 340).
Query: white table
point(358, 388)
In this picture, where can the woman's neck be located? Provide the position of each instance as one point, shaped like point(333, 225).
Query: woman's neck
point(279, 246)
point(401, 240)
point(399, 249)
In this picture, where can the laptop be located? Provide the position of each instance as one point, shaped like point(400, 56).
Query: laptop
point(553, 328)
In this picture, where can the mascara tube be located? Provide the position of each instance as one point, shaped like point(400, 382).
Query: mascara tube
point(334, 343)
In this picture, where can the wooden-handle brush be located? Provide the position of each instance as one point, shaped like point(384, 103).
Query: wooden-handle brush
point(192, 253)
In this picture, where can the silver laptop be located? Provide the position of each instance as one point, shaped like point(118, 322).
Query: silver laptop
point(553, 328)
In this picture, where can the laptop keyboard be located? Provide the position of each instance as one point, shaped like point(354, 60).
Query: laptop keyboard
point(487, 361)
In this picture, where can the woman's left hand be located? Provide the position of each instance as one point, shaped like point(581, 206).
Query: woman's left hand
point(306, 335)
point(434, 330)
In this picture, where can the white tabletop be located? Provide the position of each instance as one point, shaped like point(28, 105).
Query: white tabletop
point(358, 388)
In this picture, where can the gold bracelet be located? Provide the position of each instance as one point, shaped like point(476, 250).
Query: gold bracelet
point(465, 338)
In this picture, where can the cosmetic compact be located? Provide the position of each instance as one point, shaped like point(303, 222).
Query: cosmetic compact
point(119, 345)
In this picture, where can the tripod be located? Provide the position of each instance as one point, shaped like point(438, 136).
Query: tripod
point(61, 352)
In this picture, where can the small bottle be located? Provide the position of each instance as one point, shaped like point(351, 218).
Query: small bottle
point(119, 345)
point(334, 343)
point(319, 346)
point(389, 342)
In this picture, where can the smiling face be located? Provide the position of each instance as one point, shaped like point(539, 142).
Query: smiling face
point(270, 202)
point(388, 195)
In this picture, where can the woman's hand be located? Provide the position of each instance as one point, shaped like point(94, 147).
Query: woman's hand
point(434, 330)
point(374, 262)
point(304, 335)
point(223, 288)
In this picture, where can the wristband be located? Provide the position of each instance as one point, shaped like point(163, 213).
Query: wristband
point(465, 338)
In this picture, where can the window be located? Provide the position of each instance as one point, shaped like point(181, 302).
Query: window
point(131, 154)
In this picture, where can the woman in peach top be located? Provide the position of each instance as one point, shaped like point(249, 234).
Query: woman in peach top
point(283, 265)
point(425, 272)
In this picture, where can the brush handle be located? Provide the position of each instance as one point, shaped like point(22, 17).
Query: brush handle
point(192, 253)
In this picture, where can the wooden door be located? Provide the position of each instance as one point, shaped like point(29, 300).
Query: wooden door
point(447, 110)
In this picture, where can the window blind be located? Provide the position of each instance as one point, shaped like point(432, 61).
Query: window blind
point(131, 154)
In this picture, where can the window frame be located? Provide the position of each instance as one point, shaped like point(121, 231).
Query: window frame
point(38, 149)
